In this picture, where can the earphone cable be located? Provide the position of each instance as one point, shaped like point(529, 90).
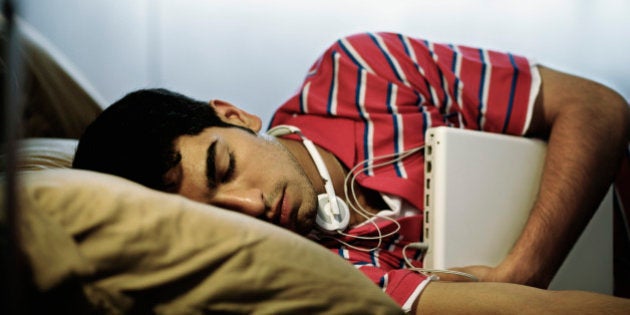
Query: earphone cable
point(350, 180)
point(430, 272)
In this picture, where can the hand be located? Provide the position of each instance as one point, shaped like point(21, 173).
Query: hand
point(482, 273)
point(488, 274)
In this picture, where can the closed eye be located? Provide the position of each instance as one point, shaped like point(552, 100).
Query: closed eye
point(229, 173)
point(211, 170)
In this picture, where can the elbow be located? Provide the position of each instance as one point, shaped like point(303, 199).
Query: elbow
point(616, 112)
point(625, 116)
point(603, 108)
point(583, 103)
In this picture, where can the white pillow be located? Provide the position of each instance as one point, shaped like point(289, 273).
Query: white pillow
point(45, 153)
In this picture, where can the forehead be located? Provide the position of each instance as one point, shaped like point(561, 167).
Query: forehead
point(206, 135)
point(186, 144)
point(224, 139)
point(228, 132)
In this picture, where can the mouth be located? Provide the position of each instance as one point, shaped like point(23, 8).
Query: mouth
point(284, 215)
point(285, 211)
point(276, 214)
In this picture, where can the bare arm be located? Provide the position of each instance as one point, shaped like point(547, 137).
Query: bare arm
point(587, 127)
point(507, 298)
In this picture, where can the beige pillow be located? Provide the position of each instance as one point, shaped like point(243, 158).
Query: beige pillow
point(132, 248)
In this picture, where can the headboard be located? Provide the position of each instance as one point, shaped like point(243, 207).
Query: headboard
point(55, 99)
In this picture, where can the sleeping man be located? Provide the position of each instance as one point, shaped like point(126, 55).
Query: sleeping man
point(355, 130)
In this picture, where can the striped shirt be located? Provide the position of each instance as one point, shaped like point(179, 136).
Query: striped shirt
point(375, 94)
point(370, 95)
point(385, 265)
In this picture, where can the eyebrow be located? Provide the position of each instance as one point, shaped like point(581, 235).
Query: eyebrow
point(211, 164)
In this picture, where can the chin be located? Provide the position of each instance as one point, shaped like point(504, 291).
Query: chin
point(305, 226)
point(305, 218)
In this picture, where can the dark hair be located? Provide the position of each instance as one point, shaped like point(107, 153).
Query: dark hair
point(133, 138)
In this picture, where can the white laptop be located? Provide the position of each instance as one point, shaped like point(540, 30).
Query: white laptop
point(479, 189)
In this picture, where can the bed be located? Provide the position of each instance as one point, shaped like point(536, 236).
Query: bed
point(95, 243)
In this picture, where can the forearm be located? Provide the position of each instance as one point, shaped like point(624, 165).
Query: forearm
point(506, 298)
point(586, 138)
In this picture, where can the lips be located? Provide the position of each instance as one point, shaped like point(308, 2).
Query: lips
point(285, 210)
point(276, 213)
point(282, 213)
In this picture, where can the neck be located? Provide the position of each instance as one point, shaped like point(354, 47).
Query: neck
point(297, 149)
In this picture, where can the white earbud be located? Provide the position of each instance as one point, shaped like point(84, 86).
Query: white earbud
point(326, 219)
point(331, 216)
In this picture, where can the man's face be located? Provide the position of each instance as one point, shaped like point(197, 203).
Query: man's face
point(237, 170)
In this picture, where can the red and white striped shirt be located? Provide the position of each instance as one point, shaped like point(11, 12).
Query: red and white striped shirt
point(385, 265)
point(375, 94)
point(370, 95)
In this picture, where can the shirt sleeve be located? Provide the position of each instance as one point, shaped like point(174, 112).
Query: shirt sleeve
point(402, 285)
point(385, 264)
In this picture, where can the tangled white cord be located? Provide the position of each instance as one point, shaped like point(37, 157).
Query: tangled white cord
point(350, 180)
point(355, 205)
point(429, 272)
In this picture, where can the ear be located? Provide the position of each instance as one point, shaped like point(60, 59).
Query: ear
point(236, 116)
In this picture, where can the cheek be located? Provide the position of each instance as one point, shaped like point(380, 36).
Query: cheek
point(270, 162)
point(280, 164)
point(194, 192)
point(194, 185)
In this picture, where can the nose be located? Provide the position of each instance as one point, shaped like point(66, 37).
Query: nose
point(247, 201)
